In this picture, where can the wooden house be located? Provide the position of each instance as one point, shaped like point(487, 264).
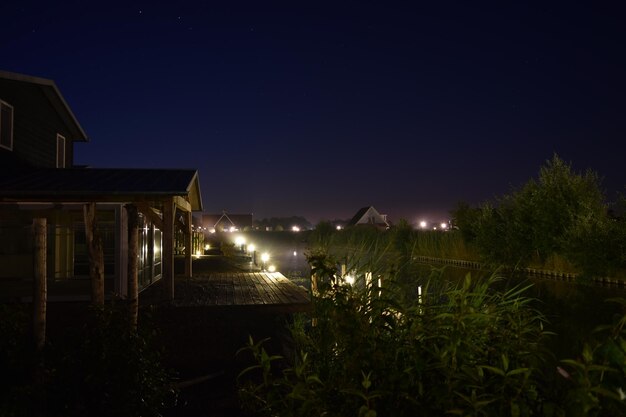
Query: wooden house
point(369, 216)
point(138, 212)
point(226, 222)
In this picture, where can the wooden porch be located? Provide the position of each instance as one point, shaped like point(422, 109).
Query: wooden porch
point(263, 292)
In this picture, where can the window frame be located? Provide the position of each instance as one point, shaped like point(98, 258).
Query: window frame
point(61, 138)
point(3, 104)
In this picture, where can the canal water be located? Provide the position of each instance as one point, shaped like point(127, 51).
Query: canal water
point(573, 309)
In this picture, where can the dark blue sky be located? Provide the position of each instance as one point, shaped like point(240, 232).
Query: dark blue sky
point(318, 111)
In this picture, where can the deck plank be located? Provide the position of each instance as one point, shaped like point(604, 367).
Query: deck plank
point(262, 290)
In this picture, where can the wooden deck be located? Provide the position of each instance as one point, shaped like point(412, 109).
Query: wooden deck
point(266, 291)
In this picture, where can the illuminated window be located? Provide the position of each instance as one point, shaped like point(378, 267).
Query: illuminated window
point(60, 151)
point(6, 125)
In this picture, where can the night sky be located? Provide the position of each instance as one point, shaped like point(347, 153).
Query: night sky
point(318, 111)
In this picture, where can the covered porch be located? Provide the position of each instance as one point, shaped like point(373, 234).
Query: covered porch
point(135, 214)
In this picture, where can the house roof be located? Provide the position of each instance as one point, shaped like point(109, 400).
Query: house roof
point(56, 98)
point(362, 212)
point(359, 214)
point(98, 184)
point(234, 219)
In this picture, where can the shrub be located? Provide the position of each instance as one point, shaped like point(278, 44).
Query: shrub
point(106, 368)
point(462, 350)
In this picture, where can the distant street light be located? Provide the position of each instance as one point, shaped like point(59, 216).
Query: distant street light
point(444, 226)
point(423, 224)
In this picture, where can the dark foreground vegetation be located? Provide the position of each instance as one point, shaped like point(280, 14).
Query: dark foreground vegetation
point(469, 349)
point(97, 364)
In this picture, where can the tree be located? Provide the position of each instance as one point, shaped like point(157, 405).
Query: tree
point(538, 220)
point(465, 218)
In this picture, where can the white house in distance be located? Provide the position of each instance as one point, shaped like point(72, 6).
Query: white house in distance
point(369, 216)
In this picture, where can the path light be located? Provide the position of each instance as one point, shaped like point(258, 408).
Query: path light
point(338, 227)
point(271, 268)
point(295, 253)
point(207, 247)
point(349, 279)
point(240, 241)
point(264, 258)
point(252, 252)
point(198, 253)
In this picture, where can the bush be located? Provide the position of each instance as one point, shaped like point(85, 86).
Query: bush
point(459, 350)
point(106, 368)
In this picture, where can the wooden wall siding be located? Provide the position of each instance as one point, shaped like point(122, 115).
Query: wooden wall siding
point(35, 125)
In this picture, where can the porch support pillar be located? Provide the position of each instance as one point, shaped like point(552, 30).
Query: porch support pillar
point(133, 250)
point(96, 255)
point(188, 245)
point(40, 289)
point(168, 248)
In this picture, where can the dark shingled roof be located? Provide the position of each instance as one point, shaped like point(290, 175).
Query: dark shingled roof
point(90, 182)
point(358, 216)
point(55, 97)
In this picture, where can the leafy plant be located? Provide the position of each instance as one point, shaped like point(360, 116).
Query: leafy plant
point(463, 349)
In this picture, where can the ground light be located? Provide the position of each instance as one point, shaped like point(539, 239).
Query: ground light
point(264, 258)
point(271, 268)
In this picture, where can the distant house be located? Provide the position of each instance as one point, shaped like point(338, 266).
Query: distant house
point(369, 216)
point(226, 222)
point(38, 180)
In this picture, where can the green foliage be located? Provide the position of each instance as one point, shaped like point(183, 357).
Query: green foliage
point(106, 368)
point(562, 213)
point(598, 377)
point(465, 218)
point(461, 350)
point(17, 361)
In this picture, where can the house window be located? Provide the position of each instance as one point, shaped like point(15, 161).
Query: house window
point(60, 151)
point(6, 125)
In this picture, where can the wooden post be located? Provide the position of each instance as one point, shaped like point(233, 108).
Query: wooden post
point(40, 290)
point(188, 245)
point(96, 256)
point(168, 248)
point(133, 250)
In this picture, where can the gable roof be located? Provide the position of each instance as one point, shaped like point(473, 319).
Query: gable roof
point(100, 184)
point(358, 216)
point(53, 94)
point(356, 219)
point(236, 220)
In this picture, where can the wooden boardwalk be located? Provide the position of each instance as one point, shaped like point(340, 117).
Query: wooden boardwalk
point(267, 291)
